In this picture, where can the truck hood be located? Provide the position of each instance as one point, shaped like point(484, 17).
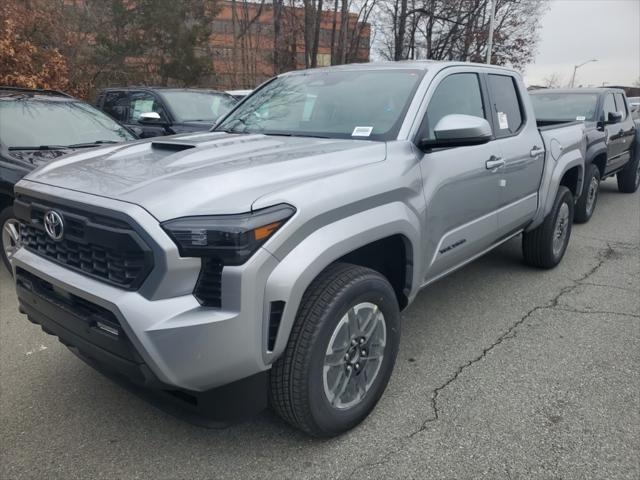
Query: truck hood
point(205, 173)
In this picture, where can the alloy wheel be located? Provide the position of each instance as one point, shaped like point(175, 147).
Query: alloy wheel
point(354, 355)
point(561, 229)
point(10, 237)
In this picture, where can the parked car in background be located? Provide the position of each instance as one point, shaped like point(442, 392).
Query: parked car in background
point(270, 258)
point(36, 127)
point(634, 105)
point(610, 136)
point(239, 94)
point(156, 111)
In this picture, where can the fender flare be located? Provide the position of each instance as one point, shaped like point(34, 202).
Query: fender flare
point(295, 272)
point(595, 150)
point(552, 182)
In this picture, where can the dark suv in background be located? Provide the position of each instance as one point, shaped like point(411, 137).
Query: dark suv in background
point(36, 127)
point(155, 111)
point(610, 136)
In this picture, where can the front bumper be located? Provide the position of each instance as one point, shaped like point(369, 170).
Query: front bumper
point(95, 336)
point(172, 340)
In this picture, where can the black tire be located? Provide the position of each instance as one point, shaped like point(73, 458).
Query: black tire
point(5, 216)
point(297, 391)
point(584, 208)
point(629, 177)
point(538, 244)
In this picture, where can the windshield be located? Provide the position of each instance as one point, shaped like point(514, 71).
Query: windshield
point(191, 106)
point(565, 106)
point(360, 104)
point(34, 123)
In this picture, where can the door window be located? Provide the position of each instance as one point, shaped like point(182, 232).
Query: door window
point(116, 104)
point(621, 105)
point(457, 94)
point(609, 106)
point(507, 108)
point(144, 102)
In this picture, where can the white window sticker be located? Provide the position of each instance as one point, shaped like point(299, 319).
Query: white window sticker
point(503, 121)
point(362, 131)
point(580, 118)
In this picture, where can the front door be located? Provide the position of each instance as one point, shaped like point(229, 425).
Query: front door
point(144, 102)
point(461, 192)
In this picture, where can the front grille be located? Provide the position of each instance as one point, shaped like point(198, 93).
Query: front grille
point(208, 290)
point(99, 246)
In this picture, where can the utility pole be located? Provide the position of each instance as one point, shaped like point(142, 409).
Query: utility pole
point(576, 67)
point(492, 20)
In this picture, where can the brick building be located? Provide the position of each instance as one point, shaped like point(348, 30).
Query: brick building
point(246, 59)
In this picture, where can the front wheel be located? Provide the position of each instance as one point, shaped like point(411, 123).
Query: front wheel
point(545, 246)
point(10, 236)
point(340, 354)
point(586, 204)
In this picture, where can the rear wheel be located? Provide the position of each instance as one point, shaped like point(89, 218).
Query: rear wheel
point(340, 354)
point(545, 246)
point(629, 178)
point(10, 235)
point(586, 204)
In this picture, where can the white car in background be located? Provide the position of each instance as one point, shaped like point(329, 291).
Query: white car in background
point(238, 94)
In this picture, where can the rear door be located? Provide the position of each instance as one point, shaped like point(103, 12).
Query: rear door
point(613, 134)
point(522, 151)
point(461, 193)
point(626, 131)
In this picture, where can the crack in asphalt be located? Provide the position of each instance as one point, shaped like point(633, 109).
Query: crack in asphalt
point(601, 312)
point(602, 257)
point(615, 287)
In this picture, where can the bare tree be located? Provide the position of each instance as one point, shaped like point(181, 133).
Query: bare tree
point(458, 30)
point(553, 81)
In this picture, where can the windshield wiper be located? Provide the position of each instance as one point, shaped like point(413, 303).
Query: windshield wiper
point(41, 147)
point(91, 144)
point(286, 134)
point(232, 129)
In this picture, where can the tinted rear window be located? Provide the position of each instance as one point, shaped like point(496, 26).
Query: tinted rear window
point(566, 107)
point(507, 109)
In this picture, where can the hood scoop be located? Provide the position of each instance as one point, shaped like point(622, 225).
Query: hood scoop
point(171, 146)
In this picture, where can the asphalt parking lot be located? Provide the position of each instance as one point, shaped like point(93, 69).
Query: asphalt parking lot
point(504, 372)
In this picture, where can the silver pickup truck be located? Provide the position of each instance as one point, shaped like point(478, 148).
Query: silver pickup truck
point(268, 261)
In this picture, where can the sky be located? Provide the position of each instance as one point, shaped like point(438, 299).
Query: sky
point(574, 31)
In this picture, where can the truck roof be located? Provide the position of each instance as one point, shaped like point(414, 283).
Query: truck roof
point(406, 64)
point(597, 90)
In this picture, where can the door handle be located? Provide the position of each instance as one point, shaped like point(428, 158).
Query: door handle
point(535, 151)
point(494, 163)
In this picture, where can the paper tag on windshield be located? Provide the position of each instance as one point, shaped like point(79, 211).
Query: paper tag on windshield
point(503, 122)
point(362, 131)
point(580, 118)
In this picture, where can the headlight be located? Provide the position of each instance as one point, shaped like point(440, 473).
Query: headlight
point(231, 238)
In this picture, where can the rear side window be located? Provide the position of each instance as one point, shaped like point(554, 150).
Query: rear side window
point(506, 106)
point(609, 105)
point(116, 104)
point(457, 94)
point(621, 105)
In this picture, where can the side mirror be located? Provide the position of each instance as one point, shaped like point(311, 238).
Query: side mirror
point(613, 117)
point(458, 131)
point(151, 118)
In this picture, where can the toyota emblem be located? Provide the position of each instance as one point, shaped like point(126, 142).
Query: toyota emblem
point(53, 225)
